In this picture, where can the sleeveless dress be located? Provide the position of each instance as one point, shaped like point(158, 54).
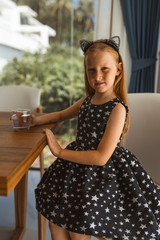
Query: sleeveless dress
point(118, 200)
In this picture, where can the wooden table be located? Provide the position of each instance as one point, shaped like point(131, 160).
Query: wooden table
point(18, 150)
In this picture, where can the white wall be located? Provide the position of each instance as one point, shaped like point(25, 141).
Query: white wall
point(7, 52)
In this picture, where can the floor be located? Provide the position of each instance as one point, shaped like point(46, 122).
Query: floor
point(7, 212)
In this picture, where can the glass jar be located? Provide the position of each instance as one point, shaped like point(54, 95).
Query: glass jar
point(21, 119)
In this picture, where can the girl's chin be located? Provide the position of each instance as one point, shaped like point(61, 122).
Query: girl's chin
point(100, 89)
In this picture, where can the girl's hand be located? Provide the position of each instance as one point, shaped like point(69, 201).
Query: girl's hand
point(52, 142)
point(33, 120)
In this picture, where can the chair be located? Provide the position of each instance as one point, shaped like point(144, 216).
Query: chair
point(12, 97)
point(143, 137)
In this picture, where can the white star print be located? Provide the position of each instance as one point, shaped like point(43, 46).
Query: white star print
point(125, 175)
point(134, 200)
point(63, 226)
point(55, 194)
point(65, 195)
point(123, 160)
point(131, 179)
point(94, 134)
point(92, 225)
point(125, 237)
point(95, 198)
point(84, 206)
point(111, 175)
point(121, 209)
point(146, 205)
point(139, 213)
point(83, 228)
point(151, 222)
point(143, 226)
point(153, 235)
point(158, 231)
point(133, 163)
point(122, 195)
point(53, 213)
point(107, 113)
point(86, 213)
point(74, 179)
point(107, 210)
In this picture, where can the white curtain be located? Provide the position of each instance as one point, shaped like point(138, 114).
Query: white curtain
point(102, 19)
point(103, 28)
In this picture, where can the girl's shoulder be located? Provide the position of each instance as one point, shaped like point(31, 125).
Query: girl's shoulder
point(86, 100)
point(117, 101)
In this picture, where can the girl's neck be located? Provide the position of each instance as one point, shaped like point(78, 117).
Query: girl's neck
point(100, 98)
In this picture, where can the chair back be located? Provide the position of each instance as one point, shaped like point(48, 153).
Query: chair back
point(14, 97)
point(143, 137)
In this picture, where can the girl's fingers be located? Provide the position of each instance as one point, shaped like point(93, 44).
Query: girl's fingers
point(48, 132)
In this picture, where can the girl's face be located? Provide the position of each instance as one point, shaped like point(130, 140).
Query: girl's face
point(101, 69)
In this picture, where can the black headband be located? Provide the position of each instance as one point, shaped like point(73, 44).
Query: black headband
point(84, 44)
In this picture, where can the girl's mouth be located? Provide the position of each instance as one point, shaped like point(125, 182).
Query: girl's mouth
point(99, 83)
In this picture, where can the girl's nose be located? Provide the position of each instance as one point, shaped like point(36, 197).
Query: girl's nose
point(98, 76)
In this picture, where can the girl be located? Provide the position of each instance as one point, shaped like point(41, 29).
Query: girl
point(96, 187)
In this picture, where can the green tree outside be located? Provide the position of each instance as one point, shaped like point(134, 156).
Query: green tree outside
point(49, 72)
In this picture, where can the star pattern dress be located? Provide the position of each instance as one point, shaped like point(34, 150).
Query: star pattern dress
point(118, 200)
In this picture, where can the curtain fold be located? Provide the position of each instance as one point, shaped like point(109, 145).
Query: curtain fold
point(141, 18)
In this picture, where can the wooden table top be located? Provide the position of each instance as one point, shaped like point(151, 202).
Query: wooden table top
point(18, 150)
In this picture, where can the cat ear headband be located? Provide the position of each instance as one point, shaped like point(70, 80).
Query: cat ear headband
point(113, 42)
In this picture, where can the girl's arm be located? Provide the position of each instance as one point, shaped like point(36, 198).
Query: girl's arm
point(105, 148)
point(68, 113)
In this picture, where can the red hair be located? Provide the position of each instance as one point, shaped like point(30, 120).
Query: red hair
point(119, 84)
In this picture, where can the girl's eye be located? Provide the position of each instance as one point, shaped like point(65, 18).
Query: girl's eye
point(91, 70)
point(104, 68)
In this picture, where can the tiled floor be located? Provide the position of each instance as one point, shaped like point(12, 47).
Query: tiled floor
point(7, 212)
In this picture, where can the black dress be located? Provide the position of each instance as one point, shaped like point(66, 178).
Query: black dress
point(117, 200)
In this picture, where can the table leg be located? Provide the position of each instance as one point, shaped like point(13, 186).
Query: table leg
point(41, 227)
point(41, 220)
point(20, 198)
point(41, 159)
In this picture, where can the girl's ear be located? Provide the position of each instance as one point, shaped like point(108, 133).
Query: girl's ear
point(119, 69)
